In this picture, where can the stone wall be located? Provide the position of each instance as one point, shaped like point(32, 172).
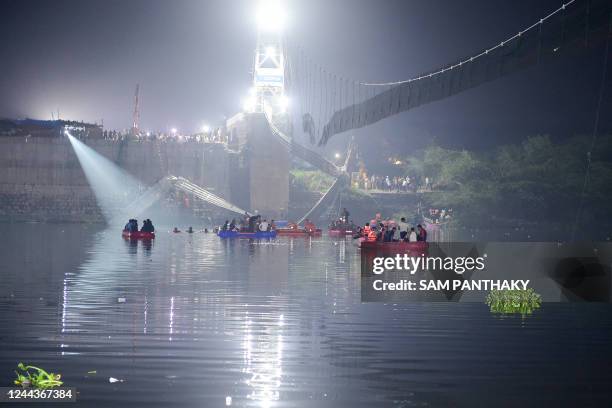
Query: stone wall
point(41, 178)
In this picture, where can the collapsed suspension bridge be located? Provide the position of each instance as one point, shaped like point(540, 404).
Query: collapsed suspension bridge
point(329, 104)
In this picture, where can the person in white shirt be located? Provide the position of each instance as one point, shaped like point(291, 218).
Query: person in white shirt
point(263, 226)
point(412, 237)
point(402, 226)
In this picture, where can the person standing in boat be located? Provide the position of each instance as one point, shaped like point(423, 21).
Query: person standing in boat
point(263, 226)
point(412, 237)
point(422, 233)
point(402, 227)
point(345, 215)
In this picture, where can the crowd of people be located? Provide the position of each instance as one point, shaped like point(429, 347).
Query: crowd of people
point(390, 231)
point(392, 183)
point(217, 135)
point(248, 223)
point(437, 215)
point(132, 226)
point(343, 223)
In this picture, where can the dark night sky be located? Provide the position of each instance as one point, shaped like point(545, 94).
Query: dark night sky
point(192, 60)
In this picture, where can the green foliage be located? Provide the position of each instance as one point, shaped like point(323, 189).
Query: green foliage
point(534, 181)
point(522, 302)
point(311, 180)
point(30, 376)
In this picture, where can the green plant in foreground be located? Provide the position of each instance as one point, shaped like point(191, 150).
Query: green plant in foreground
point(30, 376)
point(513, 301)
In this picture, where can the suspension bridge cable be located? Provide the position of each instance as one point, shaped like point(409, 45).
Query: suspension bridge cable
point(479, 55)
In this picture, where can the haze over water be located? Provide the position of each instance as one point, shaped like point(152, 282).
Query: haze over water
point(190, 320)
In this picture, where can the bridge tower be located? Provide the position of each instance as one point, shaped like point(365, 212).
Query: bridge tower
point(259, 179)
point(268, 92)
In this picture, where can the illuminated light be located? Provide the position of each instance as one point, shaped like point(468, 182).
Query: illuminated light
point(271, 16)
point(148, 134)
point(248, 104)
point(398, 162)
point(283, 104)
point(337, 155)
point(173, 130)
point(205, 128)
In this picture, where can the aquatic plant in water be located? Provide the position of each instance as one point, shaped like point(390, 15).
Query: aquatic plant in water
point(513, 301)
point(30, 376)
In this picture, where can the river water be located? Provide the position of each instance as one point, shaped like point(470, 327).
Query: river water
point(194, 321)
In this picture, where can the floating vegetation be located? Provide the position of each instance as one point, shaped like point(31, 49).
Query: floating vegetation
point(522, 302)
point(30, 376)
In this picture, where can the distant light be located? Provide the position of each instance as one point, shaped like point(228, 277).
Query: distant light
point(398, 162)
point(173, 130)
point(271, 16)
point(148, 134)
point(337, 155)
point(205, 128)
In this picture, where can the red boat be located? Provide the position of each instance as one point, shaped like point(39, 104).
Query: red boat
point(301, 232)
point(419, 247)
point(137, 235)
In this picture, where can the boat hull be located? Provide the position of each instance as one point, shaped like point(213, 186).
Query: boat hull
point(297, 232)
point(138, 235)
point(252, 235)
point(339, 232)
point(397, 247)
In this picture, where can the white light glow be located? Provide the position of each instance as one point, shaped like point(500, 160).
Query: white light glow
point(205, 128)
point(271, 16)
point(283, 104)
point(113, 187)
point(337, 155)
point(173, 130)
point(248, 104)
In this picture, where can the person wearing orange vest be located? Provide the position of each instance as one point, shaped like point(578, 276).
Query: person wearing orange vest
point(366, 230)
point(372, 235)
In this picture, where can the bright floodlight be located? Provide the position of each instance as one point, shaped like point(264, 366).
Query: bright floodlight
point(205, 128)
point(173, 130)
point(271, 16)
point(337, 155)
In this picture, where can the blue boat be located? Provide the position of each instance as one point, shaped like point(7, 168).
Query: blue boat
point(255, 235)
